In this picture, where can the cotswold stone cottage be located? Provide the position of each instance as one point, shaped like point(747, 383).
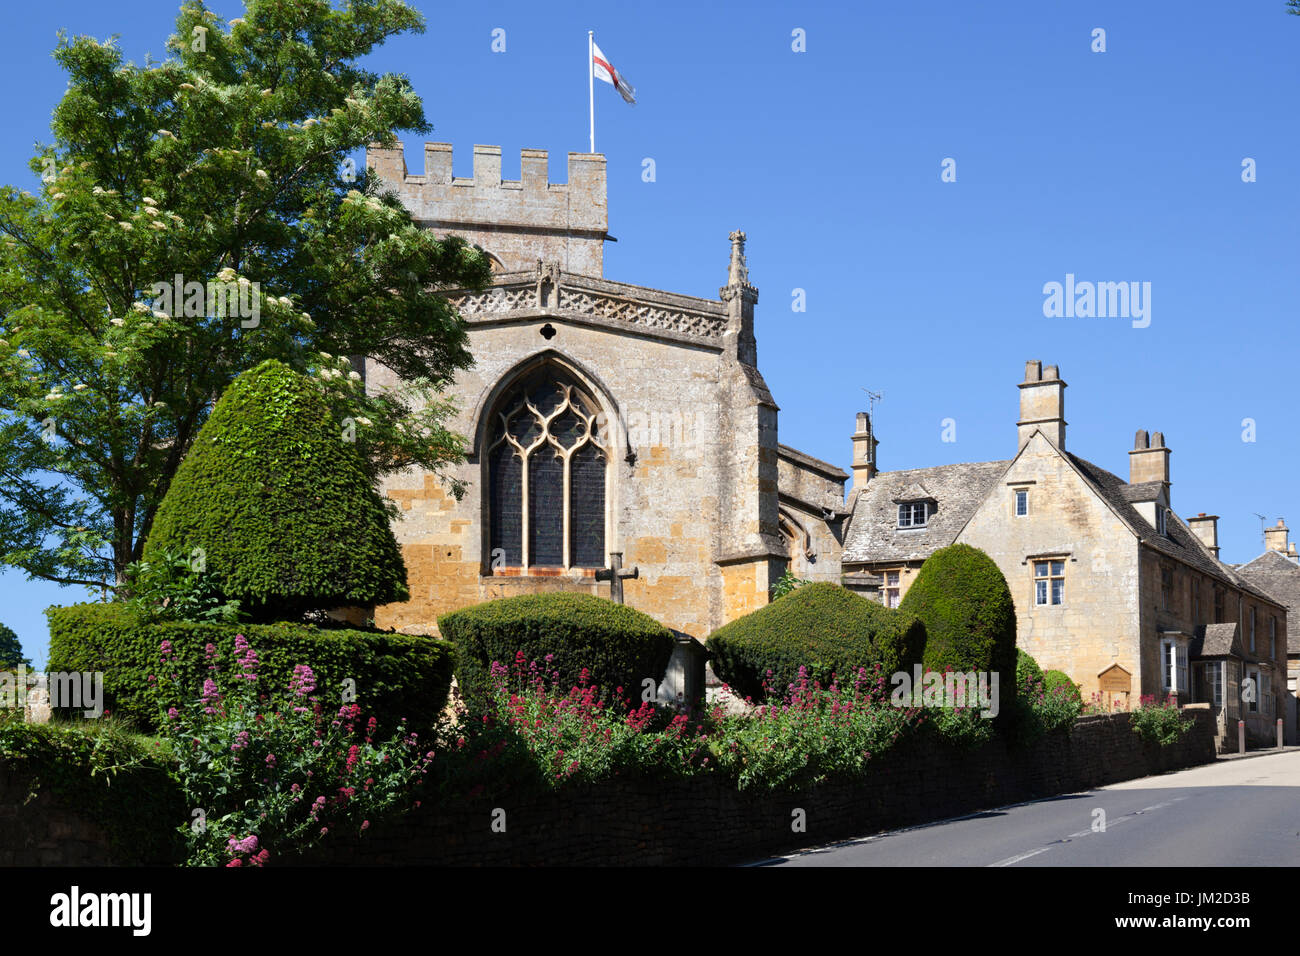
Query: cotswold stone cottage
point(1276, 572)
point(1110, 585)
point(606, 421)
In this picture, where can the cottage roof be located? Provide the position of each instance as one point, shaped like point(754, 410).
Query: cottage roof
point(874, 535)
point(1179, 542)
point(1278, 576)
point(957, 490)
point(1217, 640)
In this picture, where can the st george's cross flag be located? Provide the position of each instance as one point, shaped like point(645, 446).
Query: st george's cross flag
point(602, 69)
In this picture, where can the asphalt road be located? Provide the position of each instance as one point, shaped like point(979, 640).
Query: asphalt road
point(1243, 812)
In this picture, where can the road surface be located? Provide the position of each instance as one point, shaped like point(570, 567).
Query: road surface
point(1242, 812)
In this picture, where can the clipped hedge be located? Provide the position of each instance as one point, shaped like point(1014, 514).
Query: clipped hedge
point(618, 645)
point(1028, 673)
point(821, 626)
point(1059, 679)
point(283, 508)
point(396, 675)
point(120, 781)
point(970, 618)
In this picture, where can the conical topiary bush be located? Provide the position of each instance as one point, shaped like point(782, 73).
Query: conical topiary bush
point(281, 505)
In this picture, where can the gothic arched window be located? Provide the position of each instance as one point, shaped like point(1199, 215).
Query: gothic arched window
point(547, 460)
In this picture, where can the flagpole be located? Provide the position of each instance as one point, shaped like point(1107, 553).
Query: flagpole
point(591, 87)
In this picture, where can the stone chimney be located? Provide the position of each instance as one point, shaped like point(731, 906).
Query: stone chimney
point(1149, 459)
point(864, 452)
point(1206, 527)
point(1275, 538)
point(741, 297)
point(1042, 404)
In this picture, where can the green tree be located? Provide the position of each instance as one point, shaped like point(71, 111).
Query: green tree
point(283, 512)
point(225, 165)
point(11, 649)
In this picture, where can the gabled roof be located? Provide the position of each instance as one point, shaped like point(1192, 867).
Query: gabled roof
point(1179, 542)
point(915, 491)
point(1217, 640)
point(1278, 576)
point(1142, 491)
point(815, 464)
point(874, 535)
point(957, 490)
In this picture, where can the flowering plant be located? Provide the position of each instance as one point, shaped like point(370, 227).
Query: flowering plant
point(1159, 721)
point(272, 773)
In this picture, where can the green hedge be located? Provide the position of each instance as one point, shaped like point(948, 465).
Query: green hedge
point(1054, 679)
point(283, 508)
point(1028, 673)
point(118, 780)
point(970, 618)
point(618, 645)
point(396, 675)
point(821, 626)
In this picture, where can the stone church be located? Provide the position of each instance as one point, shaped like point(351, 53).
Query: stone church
point(614, 430)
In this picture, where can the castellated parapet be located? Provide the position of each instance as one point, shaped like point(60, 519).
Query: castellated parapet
point(518, 221)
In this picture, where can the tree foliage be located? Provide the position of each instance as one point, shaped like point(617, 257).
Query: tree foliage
point(226, 166)
point(11, 649)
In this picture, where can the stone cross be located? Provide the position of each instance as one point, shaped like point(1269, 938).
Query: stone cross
point(615, 575)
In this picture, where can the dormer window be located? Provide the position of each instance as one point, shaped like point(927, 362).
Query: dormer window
point(1162, 526)
point(913, 514)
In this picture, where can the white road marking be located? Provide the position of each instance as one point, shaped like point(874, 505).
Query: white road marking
point(1012, 860)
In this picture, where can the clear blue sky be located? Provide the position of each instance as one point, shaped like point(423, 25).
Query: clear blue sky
point(1115, 166)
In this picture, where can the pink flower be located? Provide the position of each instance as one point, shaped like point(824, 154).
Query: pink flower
point(303, 681)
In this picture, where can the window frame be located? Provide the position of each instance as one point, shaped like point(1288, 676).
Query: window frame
point(892, 588)
point(515, 400)
point(1050, 585)
point(911, 507)
point(1020, 496)
point(1173, 666)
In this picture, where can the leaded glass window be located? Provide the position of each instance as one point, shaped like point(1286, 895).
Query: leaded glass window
point(547, 457)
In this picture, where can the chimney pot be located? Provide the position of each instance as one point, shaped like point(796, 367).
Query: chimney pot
point(1042, 404)
point(864, 451)
point(1206, 528)
point(1149, 460)
point(1275, 538)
